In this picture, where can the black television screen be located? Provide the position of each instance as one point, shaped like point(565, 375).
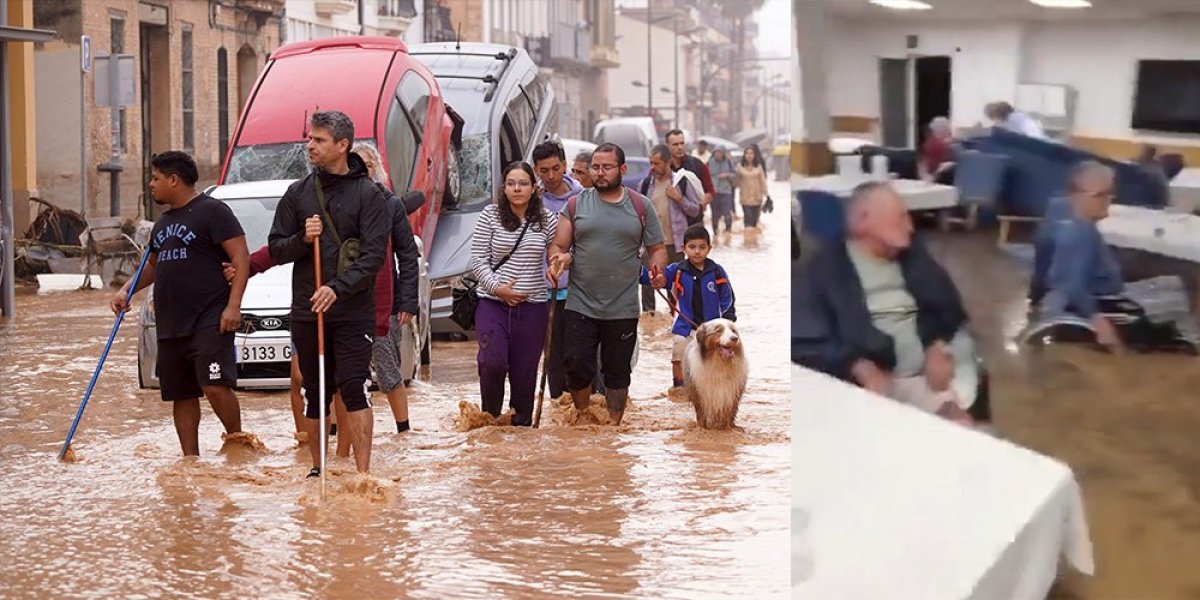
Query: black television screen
point(1168, 96)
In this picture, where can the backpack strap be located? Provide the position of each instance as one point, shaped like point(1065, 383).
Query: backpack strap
point(639, 206)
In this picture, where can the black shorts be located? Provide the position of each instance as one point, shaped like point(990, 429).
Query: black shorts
point(188, 364)
point(615, 339)
point(348, 347)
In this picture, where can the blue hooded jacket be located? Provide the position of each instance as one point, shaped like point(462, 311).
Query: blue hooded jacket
point(704, 292)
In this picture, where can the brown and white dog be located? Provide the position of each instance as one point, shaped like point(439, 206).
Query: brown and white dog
point(715, 373)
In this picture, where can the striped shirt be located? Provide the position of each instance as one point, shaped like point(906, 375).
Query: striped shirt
point(491, 242)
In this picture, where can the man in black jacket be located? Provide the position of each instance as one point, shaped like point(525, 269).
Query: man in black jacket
point(335, 204)
point(879, 312)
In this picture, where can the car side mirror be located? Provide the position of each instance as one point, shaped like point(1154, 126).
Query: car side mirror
point(413, 200)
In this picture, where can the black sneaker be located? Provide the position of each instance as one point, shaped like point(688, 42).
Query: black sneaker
point(315, 472)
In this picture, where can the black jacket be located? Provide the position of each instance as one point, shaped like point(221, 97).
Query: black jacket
point(406, 285)
point(831, 325)
point(359, 210)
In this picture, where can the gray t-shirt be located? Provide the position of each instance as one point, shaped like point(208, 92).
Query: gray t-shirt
point(893, 309)
point(604, 273)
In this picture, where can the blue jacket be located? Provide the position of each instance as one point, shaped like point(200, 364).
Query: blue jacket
point(704, 292)
point(1083, 268)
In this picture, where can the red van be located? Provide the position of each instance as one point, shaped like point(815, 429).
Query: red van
point(392, 98)
point(396, 106)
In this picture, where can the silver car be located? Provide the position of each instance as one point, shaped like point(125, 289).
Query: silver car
point(507, 107)
point(263, 344)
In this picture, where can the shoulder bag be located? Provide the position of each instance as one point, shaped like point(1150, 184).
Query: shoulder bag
point(466, 298)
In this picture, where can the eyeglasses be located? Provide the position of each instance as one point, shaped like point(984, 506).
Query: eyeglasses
point(578, 171)
point(517, 184)
point(605, 168)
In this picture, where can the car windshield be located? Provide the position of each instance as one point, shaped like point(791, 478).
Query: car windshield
point(475, 171)
point(266, 162)
point(466, 96)
point(636, 165)
point(256, 216)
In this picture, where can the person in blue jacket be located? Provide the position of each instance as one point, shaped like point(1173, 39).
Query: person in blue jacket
point(700, 289)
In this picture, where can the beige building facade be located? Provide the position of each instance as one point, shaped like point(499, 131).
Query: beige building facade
point(195, 64)
point(573, 43)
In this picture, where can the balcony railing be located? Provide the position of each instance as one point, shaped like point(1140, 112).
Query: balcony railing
point(328, 8)
point(604, 57)
point(438, 27)
point(396, 15)
point(261, 6)
point(404, 9)
point(570, 45)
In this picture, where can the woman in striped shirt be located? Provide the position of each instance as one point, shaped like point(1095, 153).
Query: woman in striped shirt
point(508, 257)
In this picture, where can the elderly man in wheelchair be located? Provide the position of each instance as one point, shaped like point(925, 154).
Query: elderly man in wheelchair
point(875, 309)
point(1077, 293)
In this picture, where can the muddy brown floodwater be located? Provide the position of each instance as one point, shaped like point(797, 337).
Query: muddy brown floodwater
point(656, 509)
point(1129, 426)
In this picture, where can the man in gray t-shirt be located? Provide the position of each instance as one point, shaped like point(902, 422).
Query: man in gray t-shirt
point(598, 238)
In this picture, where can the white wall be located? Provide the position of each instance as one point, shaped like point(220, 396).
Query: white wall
point(810, 80)
point(1100, 60)
point(1097, 58)
point(632, 45)
point(305, 11)
point(985, 63)
point(56, 75)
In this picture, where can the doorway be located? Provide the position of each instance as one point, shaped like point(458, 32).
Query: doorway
point(154, 55)
point(247, 66)
point(893, 97)
point(912, 91)
point(932, 93)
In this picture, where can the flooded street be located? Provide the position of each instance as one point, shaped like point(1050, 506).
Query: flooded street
point(656, 508)
point(1127, 425)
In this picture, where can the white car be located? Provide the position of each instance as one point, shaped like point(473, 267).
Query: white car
point(263, 344)
point(635, 135)
point(572, 148)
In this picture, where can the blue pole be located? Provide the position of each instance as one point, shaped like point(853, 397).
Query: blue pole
point(103, 355)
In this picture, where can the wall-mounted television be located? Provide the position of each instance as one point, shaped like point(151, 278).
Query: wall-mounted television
point(1168, 96)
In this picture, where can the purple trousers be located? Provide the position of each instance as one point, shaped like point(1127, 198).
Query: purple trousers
point(510, 346)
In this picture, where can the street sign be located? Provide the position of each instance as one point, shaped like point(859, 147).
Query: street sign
point(85, 53)
point(126, 82)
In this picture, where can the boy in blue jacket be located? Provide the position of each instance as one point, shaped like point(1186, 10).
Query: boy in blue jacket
point(701, 291)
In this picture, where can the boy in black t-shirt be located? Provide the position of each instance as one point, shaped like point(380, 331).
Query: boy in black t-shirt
point(196, 310)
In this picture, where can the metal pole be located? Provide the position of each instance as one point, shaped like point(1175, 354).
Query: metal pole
point(675, 30)
point(114, 94)
point(8, 298)
point(700, 97)
point(649, 67)
point(83, 142)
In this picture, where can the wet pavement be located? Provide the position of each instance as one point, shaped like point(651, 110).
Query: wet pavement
point(656, 508)
point(1127, 425)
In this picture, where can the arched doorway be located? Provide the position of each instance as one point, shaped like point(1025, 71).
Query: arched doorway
point(247, 69)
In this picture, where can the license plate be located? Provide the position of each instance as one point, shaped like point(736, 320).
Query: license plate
point(252, 352)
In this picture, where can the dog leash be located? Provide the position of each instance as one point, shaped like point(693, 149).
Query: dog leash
point(671, 306)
